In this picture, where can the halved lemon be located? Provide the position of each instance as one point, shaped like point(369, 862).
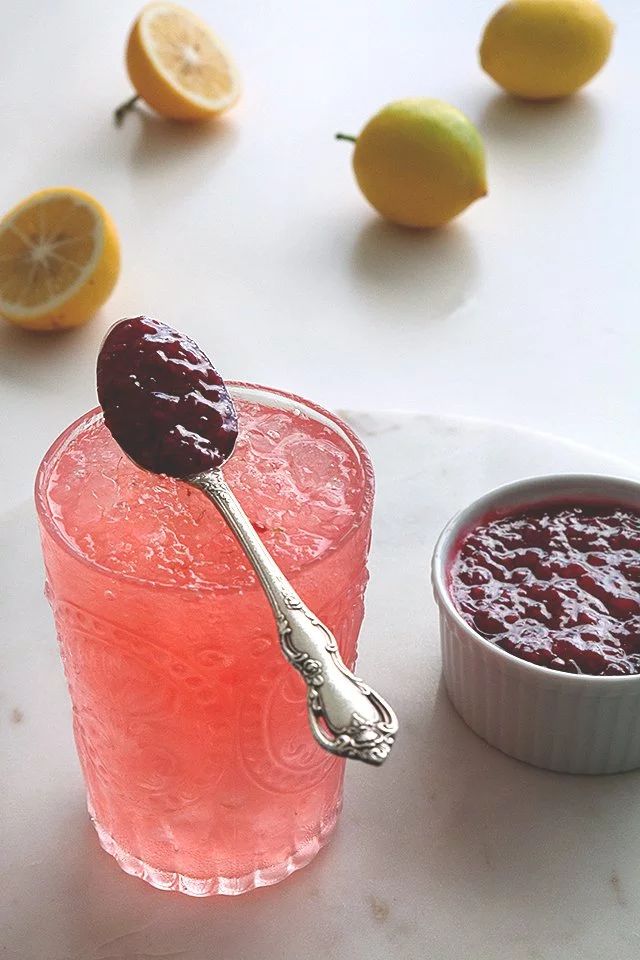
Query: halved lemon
point(59, 259)
point(178, 65)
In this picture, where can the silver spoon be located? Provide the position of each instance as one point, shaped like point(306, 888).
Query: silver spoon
point(169, 410)
point(346, 716)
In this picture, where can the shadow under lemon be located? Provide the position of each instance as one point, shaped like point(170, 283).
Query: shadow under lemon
point(170, 147)
point(29, 357)
point(538, 133)
point(414, 276)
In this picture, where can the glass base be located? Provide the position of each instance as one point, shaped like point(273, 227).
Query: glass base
point(210, 886)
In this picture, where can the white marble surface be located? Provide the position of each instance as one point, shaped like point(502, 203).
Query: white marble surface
point(251, 234)
point(451, 851)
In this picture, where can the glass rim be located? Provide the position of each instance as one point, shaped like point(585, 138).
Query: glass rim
point(237, 388)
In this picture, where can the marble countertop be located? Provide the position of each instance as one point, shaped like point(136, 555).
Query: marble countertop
point(450, 851)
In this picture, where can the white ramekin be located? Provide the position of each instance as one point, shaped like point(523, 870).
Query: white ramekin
point(567, 722)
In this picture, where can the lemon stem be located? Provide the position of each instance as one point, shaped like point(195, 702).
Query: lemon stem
point(346, 136)
point(123, 109)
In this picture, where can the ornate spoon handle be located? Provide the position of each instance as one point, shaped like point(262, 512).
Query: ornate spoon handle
point(346, 716)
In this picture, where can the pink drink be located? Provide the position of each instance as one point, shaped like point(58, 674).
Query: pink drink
point(191, 728)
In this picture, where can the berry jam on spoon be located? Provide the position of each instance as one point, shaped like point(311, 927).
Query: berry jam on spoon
point(170, 412)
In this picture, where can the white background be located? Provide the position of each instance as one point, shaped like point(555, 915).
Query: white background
point(250, 234)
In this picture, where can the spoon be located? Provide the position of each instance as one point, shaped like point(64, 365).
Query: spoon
point(170, 412)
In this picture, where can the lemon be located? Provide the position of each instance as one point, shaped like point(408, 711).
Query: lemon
point(59, 259)
point(545, 49)
point(419, 162)
point(178, 65)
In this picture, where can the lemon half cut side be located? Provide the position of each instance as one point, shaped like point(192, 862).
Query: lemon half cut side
point(59, 259)
point(178, 65)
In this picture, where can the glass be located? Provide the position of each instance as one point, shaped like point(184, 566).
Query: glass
point(202, 775)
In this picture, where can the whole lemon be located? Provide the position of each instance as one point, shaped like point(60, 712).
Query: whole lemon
point(545, 49)
point(419, 162)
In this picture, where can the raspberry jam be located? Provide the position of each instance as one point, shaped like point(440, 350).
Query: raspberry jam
point(163, 402)
point(558, 586)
